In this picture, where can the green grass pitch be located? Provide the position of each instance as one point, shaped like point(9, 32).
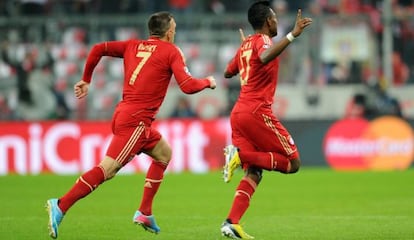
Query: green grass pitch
point(316, 203)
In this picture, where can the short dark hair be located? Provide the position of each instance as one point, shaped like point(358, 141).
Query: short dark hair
point(257, 14)
point(159, 23)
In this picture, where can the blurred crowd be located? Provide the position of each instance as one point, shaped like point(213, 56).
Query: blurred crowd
point(50, 7)
point(44, 74)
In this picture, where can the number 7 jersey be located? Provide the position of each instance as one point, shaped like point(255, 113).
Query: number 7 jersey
point(148, 68)
point(258, 80)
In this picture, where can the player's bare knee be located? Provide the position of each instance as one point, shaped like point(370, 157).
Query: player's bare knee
point(110, 167)
point(255, 174)
point(111, 173)
point(294, 166)
point(161, 152)
point(165, 157)
point(164, 161)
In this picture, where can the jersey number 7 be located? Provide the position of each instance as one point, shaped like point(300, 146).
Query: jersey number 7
point(144, 58)
point(245, 66)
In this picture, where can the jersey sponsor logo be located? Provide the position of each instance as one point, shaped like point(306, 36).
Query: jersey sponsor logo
point(186, 70)
point(291, 141)
point(385, 143)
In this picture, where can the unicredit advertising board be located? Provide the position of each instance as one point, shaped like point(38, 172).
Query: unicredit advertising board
point(74, 147)
point(384, 143)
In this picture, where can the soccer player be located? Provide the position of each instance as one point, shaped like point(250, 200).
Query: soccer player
point(148, 67)
point(260, 141)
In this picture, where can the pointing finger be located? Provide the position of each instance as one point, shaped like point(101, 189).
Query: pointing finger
point(299, 15)
point(242, 34)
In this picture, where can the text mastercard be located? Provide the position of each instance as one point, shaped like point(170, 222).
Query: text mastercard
point(384, 143)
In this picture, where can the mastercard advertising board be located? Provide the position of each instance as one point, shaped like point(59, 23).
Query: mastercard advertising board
point(384, 143)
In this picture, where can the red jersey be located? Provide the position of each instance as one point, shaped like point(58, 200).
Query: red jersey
point(148, 67)
point(258, 80)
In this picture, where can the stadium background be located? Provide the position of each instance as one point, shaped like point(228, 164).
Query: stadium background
point(354, 50)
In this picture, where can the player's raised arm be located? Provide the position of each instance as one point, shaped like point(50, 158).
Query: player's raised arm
point(300, 24)
point(277, 48)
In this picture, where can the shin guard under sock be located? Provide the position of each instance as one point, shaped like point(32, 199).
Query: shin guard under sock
point(153, 180)
point(84, 185)
point(241, 201)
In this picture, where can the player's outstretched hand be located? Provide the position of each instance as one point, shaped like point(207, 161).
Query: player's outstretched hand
point(81, 89)
point(300, 24)
point(212, 80)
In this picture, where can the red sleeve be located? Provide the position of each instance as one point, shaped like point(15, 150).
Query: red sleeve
point(187, 83)
point(262, 44)
point(233, 67)
point(113, 49)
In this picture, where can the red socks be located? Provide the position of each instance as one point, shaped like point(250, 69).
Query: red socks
point(241, 200)
point(90, 180)
point(84, 185)
point(271, 161)
point(153, 180)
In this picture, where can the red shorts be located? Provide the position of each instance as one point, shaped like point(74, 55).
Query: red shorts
point(132, 135)
point(261, 131)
